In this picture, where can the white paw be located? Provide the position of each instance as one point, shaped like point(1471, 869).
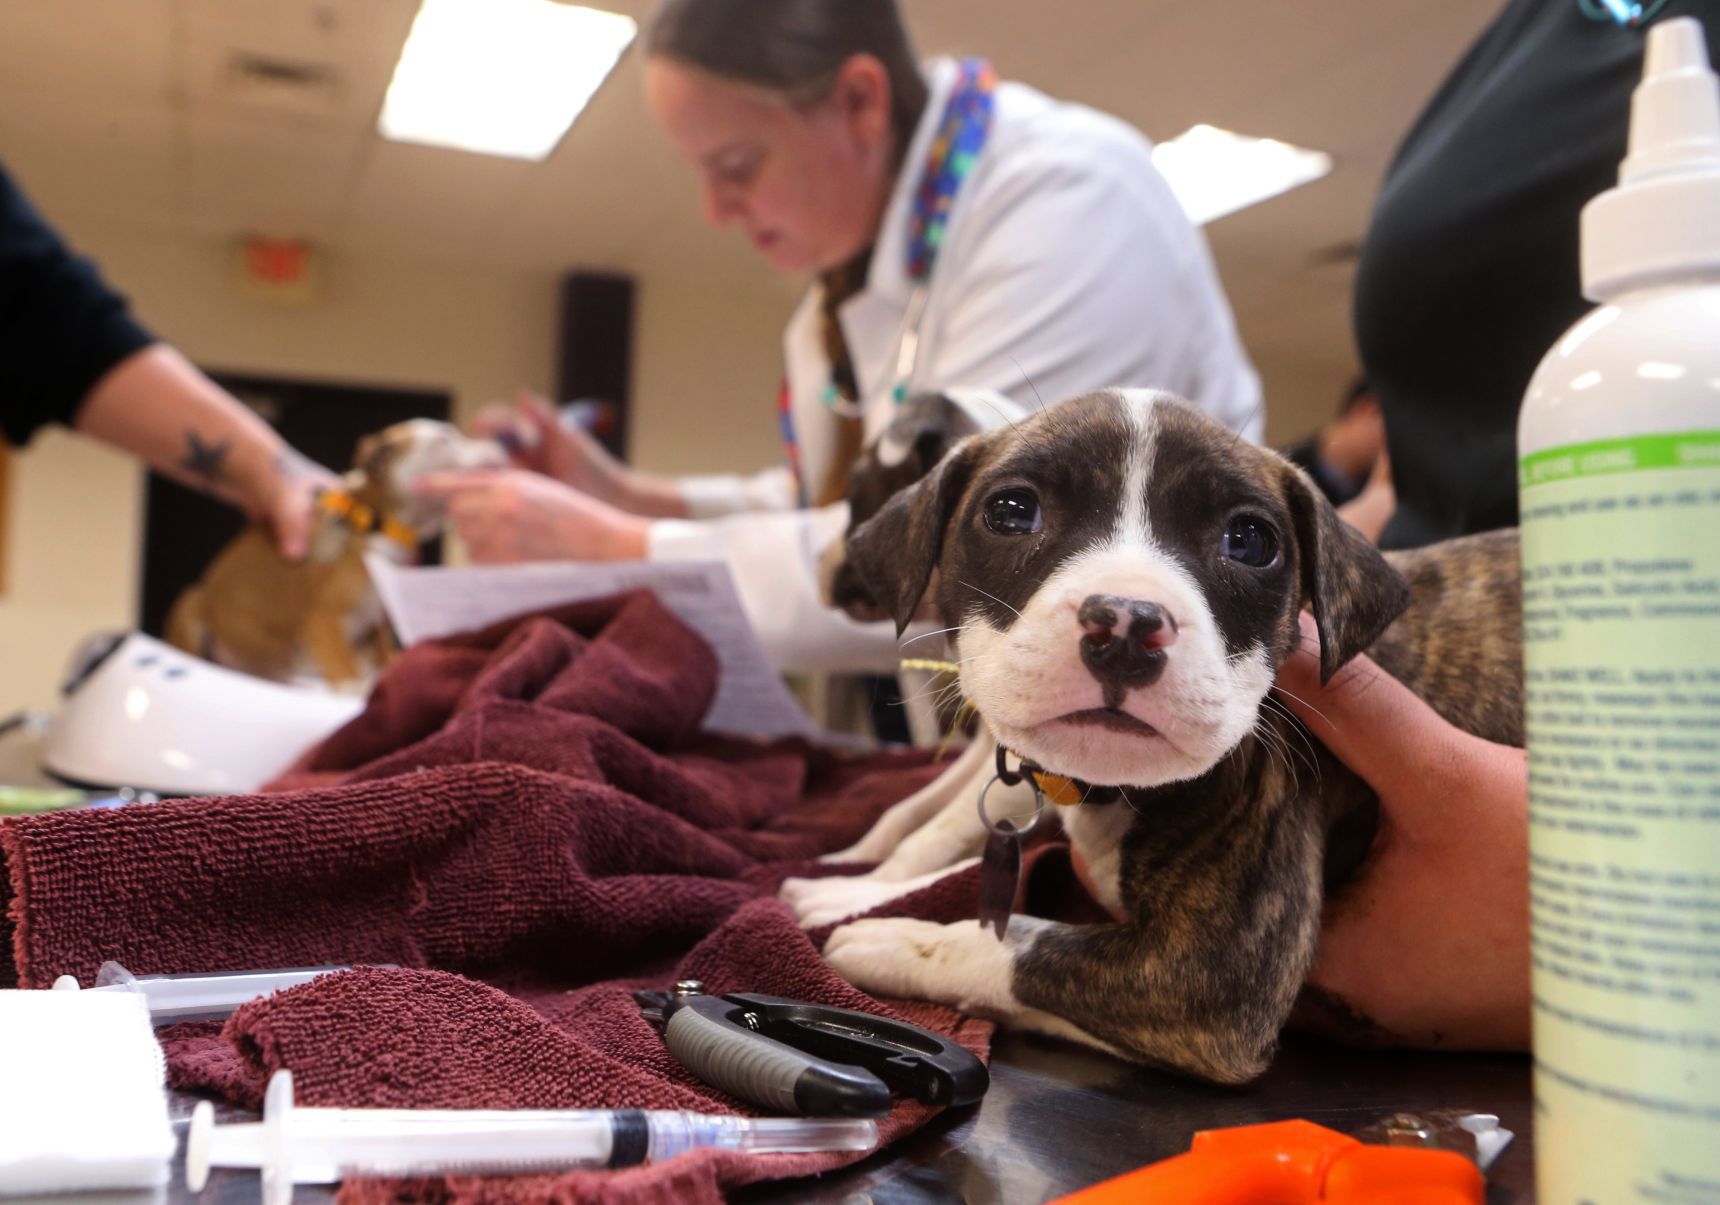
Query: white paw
point(880, 840)
point(959, 964)
point(819, 902)
point(863, 850)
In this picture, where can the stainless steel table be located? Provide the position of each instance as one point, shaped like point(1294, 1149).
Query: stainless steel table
point(1059, 1118)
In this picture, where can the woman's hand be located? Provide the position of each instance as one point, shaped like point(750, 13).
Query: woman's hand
point(516, 515)
point(538, 440)
point(1431, 941)
point(283, 498)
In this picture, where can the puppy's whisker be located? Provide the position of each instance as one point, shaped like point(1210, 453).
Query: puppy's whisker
point(940, 695)
point(1276, 751)
point(994, 598)
point(1030, 384)
point(1293, 695)
point(1001, 413)
point(1125, 794)
point(957, 628)
point(1287, 757)
point(1277, 707)
point(1311, 758)
point(1259, 408)
point(933, 692)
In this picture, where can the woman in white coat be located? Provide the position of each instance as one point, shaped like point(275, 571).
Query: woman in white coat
point(961, 233)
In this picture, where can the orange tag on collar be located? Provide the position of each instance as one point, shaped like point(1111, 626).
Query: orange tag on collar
point(1058, 789)
point(401, 534)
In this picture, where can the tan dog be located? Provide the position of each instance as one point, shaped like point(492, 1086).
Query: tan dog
point(255, 611)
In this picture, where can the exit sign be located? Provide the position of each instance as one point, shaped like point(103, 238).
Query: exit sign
point(282, 271)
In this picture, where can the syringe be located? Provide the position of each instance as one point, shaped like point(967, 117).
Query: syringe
point(320, 1146)
point(174, 998)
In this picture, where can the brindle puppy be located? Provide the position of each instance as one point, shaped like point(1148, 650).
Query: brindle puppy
point(1127, 575)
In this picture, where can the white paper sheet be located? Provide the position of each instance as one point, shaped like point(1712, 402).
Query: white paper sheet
point(424, 603)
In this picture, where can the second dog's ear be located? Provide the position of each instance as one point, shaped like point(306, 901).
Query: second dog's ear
point(895, 551)
point(366, 451)
point(1353, 591)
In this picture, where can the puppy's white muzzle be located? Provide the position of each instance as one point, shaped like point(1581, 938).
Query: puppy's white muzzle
point(1115, 673)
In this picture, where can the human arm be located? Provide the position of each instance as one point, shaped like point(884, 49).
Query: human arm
point(1430, 942)
point(158, 406)
point(74, 355)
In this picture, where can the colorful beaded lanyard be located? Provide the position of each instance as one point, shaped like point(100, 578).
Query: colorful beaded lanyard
point(961, 135)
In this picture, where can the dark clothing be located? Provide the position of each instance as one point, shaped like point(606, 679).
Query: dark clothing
point(1469, 271)
point(61, 328)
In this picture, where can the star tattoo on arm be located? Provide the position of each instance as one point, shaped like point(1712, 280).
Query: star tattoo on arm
point(206, 460)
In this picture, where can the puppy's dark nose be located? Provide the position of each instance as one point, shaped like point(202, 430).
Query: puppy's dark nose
point(1123, 641)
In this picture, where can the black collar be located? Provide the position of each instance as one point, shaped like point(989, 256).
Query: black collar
point(1058, 788)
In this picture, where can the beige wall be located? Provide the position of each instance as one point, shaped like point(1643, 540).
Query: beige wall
point(73, 548)
point(707, 369)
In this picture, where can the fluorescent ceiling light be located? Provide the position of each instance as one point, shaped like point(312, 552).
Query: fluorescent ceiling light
point(500, 77)
point(1214, 172)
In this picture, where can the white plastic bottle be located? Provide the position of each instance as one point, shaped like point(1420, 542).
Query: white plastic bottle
point(1619, 446)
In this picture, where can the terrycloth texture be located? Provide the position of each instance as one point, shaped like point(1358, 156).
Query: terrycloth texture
point(527, 821)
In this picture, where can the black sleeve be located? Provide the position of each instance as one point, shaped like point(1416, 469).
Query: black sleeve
point(61, 327)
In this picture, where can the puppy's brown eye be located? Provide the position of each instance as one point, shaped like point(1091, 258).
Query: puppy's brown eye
point(1013, 512)
point(1250, 541)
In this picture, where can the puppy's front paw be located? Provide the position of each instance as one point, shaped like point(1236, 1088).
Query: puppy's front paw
point(818, 902)
point(875, 846)
point(959, 964)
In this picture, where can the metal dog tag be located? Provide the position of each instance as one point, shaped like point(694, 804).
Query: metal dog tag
point(999, 877)
point(1000, 865)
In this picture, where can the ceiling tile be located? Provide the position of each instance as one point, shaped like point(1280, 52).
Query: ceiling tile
point(429, 201)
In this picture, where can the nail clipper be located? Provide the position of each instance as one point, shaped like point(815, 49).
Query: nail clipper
point(813, 1059)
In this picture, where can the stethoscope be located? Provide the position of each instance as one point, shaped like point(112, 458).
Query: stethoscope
point(907, 358)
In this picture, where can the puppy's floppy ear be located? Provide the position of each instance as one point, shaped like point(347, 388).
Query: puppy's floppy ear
point(1353, 591)
point(366, 451)
point(896, 550)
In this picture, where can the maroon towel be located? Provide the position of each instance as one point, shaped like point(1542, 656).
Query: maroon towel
point(528, 823)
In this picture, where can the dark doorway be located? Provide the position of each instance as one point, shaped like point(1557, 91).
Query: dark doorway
point(183, 530)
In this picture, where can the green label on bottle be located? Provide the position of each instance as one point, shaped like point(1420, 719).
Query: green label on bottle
point(1621, 609)
point(1688, 450)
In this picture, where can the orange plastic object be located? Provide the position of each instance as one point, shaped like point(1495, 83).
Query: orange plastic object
point(1293, 1163)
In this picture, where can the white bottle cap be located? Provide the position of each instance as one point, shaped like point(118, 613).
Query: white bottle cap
point(1662, 221)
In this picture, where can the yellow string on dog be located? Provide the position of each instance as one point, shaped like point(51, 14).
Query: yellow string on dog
point(940, 667)
point(1055, 787)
